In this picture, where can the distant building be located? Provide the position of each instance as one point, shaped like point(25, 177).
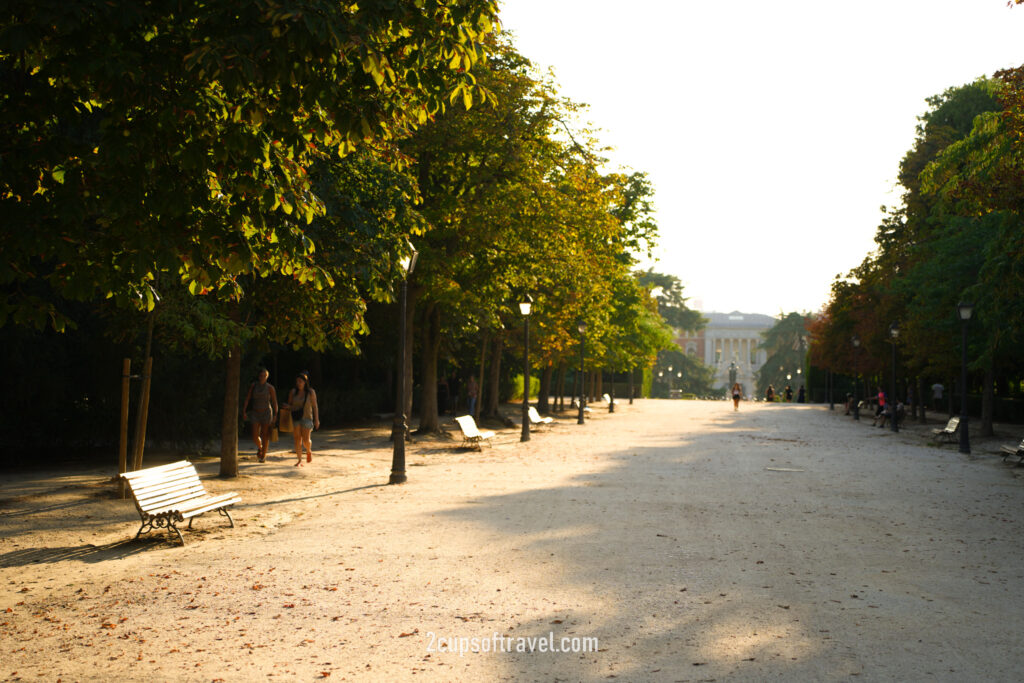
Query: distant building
point(730, 338)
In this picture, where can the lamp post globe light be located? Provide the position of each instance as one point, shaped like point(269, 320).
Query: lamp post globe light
point(964, 311)
point(400, 427)
point(894, 333)
point(855, 340)
point(581, 326)
point(524, 307)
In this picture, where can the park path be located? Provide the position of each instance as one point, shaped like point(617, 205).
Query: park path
point(694, 543)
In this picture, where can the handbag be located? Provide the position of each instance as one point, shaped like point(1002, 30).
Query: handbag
point(274, 436)
point(284, 421)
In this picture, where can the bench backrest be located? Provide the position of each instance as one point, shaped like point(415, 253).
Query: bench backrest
point(606, 398)
point(164, 487)
point(534, 415)
point(468, 426)
point(952, 425)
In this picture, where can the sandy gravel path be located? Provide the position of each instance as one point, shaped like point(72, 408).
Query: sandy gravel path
point(694, 543)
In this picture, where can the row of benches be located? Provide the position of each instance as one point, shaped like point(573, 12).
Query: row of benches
point(473, 436)
point(950, 432)
point(167, 495)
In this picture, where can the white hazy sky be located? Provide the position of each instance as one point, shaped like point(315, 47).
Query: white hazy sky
point(772, 131)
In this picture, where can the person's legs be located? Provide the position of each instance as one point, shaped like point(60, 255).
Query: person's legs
point(307, 441)
point(256, 440)
point(264, 440)
point(297, 436)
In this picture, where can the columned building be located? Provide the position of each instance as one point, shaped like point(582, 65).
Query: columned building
point(730, 338)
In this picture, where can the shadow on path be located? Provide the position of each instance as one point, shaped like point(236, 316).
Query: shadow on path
point(82, 553)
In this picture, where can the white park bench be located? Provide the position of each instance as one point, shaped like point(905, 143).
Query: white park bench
point(471, 434)
point(536, 420)
point(576, 406)
point(606, 398)
point(169, 494)
point(947, 433)
point(1014, 451)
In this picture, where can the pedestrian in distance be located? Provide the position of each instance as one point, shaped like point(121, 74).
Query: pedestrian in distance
point(801, 397)
point(881, 406)
point(937, 390)
point(788, 394)
point(769, 394)
point(737, 393)
point(305, 416)
point(263, 399)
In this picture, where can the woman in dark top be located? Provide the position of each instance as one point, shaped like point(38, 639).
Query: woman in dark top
point(263, 398)
point(305, 416)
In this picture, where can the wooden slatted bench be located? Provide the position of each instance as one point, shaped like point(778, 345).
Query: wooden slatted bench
point(536, 420)
point(947, 433)
point(1014, 451)
point(169, 494)
point(471, 434)
point(576, 406)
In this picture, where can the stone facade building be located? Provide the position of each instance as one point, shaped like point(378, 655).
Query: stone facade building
point(730, 338)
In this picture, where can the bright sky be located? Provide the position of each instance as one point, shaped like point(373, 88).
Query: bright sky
point(772, 131)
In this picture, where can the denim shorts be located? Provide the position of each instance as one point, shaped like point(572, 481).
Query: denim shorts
point(306, 424)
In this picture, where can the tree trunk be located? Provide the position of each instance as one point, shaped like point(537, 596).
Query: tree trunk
point(631, 388)
point(495, 377)
point(480, 379)
point(988, 398)
point(543, 395)
point(600, 384)
point(412, 295)
point(923, 415)
point(949, 396)
point(142, 416)
point(229, 420)
point(429, 421)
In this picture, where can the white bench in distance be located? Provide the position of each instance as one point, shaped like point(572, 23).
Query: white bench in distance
point(1014, 451)
point(536, 420)
point(471, 434)
point(576, 406)
point(168, 494)
point(946, 434)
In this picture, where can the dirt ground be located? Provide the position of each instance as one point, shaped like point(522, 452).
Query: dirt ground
point(672, 540)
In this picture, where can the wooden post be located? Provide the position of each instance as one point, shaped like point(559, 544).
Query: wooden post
point(122, 448)
point(140, 423)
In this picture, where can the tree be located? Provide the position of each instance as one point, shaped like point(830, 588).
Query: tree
point(786, 344)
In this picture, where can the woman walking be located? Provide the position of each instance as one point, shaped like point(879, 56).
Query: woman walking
point(737, 392)
point(305, 416)
point(264, 411)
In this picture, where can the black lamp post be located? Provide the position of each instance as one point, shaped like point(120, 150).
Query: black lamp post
point(831, 395)
point(581, 325)
point(400, 428)
point(524, 308)
point(964, 310)
point(855, 340)
point(894, 333)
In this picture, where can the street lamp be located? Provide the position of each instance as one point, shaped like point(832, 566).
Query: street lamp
point(855, 340)
point(964, 310)
point(400, 427)
point(894, 333)
point(524, 308)
point(581, 325)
